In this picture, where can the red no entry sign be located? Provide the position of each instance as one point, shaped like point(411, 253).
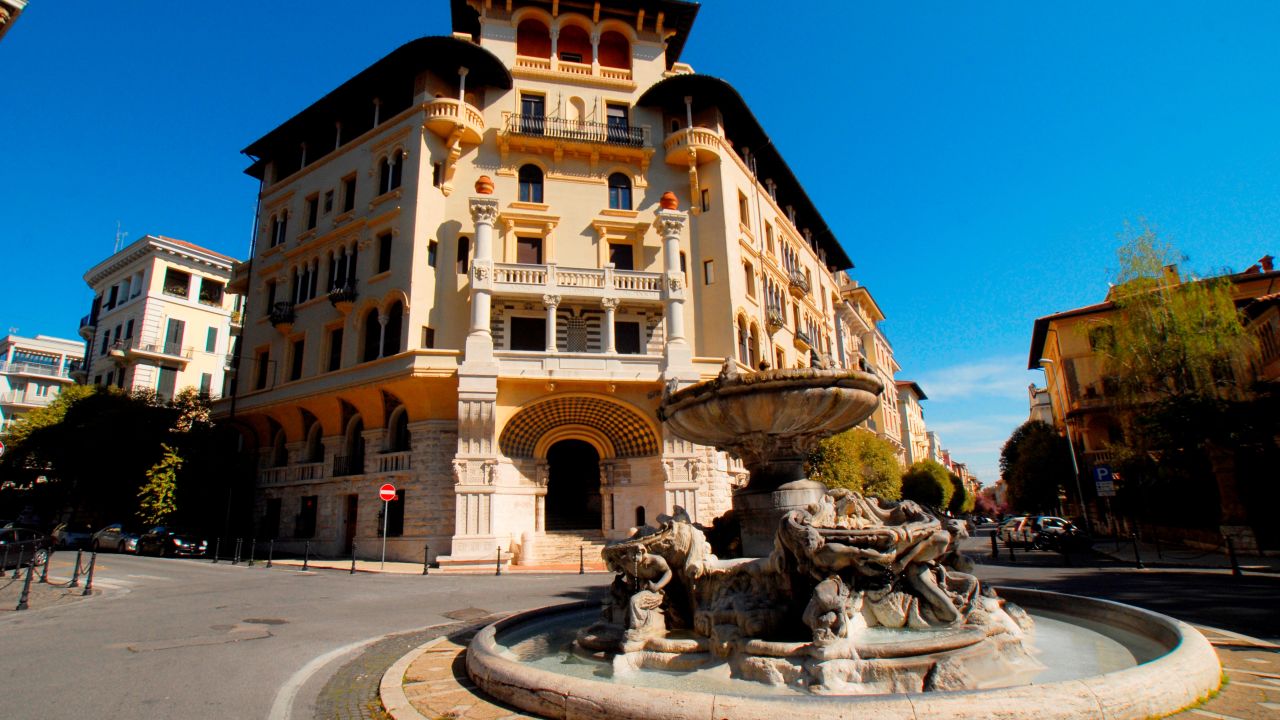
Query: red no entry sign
point(387, 492)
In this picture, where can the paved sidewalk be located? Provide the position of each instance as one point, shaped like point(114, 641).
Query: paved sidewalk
point(405, 568)
point(1173, 556)
point(431, 682)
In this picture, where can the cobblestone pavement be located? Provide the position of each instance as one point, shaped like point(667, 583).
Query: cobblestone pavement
point(437, 685)
point(40, 596)
point(352, 692)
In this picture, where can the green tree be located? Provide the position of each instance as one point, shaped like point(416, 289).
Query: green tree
point(961, 499)
point(156, 499)
point(1035, 464)
point(52, 414)
point(859, 461)
point(928, 483)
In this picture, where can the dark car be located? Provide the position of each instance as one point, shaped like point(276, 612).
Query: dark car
point(24, 544)
point(167, 541)
point(116, 537)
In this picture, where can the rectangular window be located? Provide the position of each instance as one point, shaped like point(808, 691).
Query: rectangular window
point(706, 200)
point(167, 383)
point(768, 236)
point(115, 293)
point(174, 336)
point(177, 283)
point(335, 349)
point(348, 193)
point(295, 364)
point(384, 252)
point(206, 384)
point(532, 112)
point(622, 256)
point(128, 329)
point(619, 126)
point(263, 367)
point(433, 249)
point(464, 255)
point(313, 210)
point(749, 273)
point(211, 292)
point(428, 337)
point(744, 210)
point(708, 272)
point(626, 337)
point(111, 378)
point(328, 202)
point(437, 174)
point(306, 525)
point(529, 250)
point(211, 340)
point(528, 333)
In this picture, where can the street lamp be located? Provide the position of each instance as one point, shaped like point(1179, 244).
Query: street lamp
point(1075, 467)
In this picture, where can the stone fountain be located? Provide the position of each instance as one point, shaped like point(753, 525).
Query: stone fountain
point(845, 604)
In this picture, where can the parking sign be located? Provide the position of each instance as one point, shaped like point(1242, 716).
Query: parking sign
point(1104, 480)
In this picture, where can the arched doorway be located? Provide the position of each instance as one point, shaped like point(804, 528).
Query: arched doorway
point(573, 486)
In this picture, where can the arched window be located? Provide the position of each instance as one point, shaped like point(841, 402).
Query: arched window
point(384, 176)
point(372, 336)
point(530, 184)
point(397, 168)
point(315, 445)
point(613, 50)
point(353, 446)
point(533, 39)
point(279, 453)
point(574, 45)
point(391, 333)
point(754, 348)
point(744, 351)
point(398, 431)
point(619, 192)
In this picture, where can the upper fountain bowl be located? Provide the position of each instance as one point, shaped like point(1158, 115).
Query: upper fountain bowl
point(773, 414)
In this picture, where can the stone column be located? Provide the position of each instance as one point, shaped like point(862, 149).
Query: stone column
point(670, 224)
point(595, 53)
point(462, 89)
point(552, 302)
point(382, 332)
point(484, 211)
point(606, 330)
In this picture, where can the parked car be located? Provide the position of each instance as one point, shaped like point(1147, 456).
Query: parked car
point(166, 541)
point(72, 535)
point(1014, 531)
point(24, 544)
point(115, 538)
point(1043, 532)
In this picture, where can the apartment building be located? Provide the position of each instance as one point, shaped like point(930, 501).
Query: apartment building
point(915, 439)
point(871, 350)
point(480, 262)
point(33, 371)
point(9, 12)
point(161, 318)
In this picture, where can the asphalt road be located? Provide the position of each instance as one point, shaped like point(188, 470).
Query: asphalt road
point(189, 639)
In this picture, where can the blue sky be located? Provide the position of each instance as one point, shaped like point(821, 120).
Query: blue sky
point(976, 159)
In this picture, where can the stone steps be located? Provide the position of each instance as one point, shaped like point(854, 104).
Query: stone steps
point(561, 548)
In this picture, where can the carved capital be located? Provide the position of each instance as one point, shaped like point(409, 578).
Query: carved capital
point(484, 210)
point(609, 303)
point(669, 223)
point(551, 301)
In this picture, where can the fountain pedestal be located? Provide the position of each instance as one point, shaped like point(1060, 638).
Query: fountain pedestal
point(760, 510)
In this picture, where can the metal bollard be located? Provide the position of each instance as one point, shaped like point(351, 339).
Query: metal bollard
point(426, 558)
point(75, 574)
point(5, 567)
point(1013, 556)
point(88, 580)
point(995, 547)
point(26, 588)
point(353, 557)
point(1235, 564)
point(1137, 557)
point(582, 563)
point(18, 568)
point(306, 555)
point(253, 549)
point(235, 559)
point(44, 571)
point(271, 550)
point(498, 561)
point(217, 549)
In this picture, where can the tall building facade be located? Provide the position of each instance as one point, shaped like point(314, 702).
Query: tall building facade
point(915, 436)
point(161, 318)
point(874, 354)
point(33, 371)
point(483, 259)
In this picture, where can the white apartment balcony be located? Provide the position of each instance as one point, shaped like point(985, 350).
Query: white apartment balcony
point(446, 116)
point(578, 365)
point(88, 327)
point(131, 350)
point(569, 283)
point(26, 399)
point(692, 146)
point(555, 69)
point(36, 370)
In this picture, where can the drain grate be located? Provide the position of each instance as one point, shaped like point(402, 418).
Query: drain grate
point(471, 613)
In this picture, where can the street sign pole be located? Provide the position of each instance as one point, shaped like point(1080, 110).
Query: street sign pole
point(385, 504)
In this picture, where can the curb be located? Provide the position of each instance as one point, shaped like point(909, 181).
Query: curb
point(391, 688)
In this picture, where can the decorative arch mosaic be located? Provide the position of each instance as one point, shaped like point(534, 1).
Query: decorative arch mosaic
point(630, 434)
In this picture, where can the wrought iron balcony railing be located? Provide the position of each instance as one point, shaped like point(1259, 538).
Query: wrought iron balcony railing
point(282, 313)
point(578, 130)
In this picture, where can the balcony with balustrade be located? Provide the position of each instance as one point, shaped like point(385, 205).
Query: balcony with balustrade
point(570, 283)
point(561, 70)
point(692, 146)
point(447, 116)
point(37, 370)
point(618, 141)
point(131, 350)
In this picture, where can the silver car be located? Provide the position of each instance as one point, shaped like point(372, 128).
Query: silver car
point(115, 538)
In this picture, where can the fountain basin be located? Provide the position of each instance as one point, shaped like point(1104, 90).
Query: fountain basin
point(1169, 667)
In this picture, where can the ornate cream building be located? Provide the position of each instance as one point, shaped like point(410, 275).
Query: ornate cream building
point(464, 282)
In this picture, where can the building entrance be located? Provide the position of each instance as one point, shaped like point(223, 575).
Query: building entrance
point(573, 486)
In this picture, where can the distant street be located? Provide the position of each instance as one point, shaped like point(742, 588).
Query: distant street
point(186, 638)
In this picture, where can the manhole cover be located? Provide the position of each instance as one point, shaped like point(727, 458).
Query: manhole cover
point(265, 621)
point(468, 614)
